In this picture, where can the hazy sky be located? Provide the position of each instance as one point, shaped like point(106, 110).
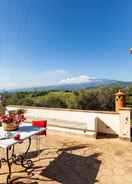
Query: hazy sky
point(46, 42)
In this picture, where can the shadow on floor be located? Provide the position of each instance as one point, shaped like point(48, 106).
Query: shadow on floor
point(21, 182)
point(28, 180)
point(34, 154)
point(73, 169)
point(72, 148)
point(66, 168)
point(108, 136)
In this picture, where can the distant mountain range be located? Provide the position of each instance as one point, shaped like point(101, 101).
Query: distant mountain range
point(75, 86)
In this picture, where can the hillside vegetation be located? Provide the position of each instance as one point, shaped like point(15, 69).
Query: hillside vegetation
point(99, 98)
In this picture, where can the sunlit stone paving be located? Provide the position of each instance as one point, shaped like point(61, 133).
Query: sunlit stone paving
point(74, 159)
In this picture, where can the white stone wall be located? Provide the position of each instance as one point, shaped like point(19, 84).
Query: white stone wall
point(94, 121)
point(108, 123)
point(125, 123)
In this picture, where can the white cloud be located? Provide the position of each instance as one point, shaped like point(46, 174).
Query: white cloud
point(43, 78)
point(76, 80)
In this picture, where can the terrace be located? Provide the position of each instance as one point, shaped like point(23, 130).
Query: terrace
point(74, 152)
point(76, 159)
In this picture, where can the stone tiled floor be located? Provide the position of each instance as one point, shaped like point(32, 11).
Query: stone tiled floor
point(74, 159)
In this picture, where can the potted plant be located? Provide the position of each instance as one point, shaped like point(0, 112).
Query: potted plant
point(11, 121)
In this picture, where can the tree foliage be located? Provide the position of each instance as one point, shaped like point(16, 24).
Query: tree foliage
point(99, 98)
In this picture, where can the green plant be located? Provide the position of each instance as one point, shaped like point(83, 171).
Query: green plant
point(20, 111)
point(2, 109)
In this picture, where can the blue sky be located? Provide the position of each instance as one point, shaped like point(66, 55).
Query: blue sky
point(45, 42)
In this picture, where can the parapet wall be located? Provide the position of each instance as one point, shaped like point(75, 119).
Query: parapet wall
point(92, 122)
